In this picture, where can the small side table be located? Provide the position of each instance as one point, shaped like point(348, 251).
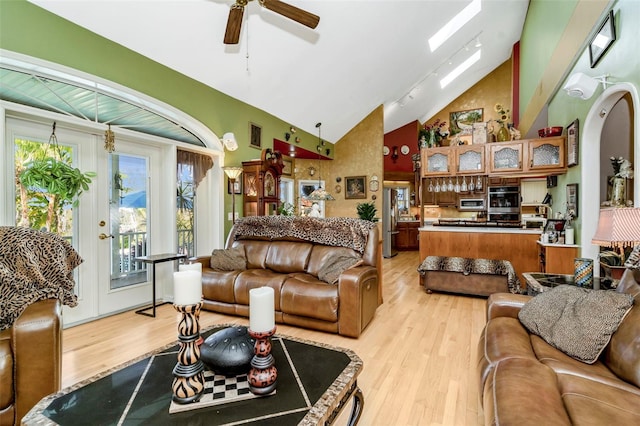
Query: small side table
point(153, 260)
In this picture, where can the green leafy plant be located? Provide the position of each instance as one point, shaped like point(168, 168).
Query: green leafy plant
point(56, 178)
point(286, 209)
point(367, 211)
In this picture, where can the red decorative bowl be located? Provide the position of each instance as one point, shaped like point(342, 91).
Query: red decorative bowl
point(548, 132)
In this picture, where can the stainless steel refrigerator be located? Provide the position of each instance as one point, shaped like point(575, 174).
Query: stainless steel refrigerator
point(389, 221)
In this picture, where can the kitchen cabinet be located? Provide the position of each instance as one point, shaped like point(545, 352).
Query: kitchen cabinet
point(436, 161)
point(503, 181)
point(407, 237)
point(547, 153)
point(557, 258)
point(261, 184)
point(506, 157)
point(470, 159)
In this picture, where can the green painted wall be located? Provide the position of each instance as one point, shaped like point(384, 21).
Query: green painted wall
point(543, 29)
point(30, 30)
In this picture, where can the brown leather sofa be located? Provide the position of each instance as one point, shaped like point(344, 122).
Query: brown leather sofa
point(525, 381)
point(291, 266)
point(30, 359)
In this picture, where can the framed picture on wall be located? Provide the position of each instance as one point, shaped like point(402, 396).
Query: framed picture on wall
point(572, 143)
point(461, 122)
point(602, 40)
point(237, 186)
point(355, 187)
point(255, 136)
point(572, 198)
point(287, 167)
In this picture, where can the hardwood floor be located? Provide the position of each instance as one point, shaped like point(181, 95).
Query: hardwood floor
point(419, 352)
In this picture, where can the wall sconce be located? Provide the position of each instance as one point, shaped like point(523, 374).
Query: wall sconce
point(582, 86)
point(312, 171)
point(229, 141)
point(394, 154)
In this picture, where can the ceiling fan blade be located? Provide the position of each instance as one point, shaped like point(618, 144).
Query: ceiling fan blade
point(234, 23)
point(302, 16)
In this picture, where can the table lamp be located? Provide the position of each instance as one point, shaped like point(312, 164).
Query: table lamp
point(233, 172)
point(618, 227)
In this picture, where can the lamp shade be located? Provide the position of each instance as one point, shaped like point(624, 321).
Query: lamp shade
point(232, 172)
point(618, 227)
point(319, 194)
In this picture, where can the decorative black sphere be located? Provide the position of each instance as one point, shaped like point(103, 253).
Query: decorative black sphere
point(228, 351)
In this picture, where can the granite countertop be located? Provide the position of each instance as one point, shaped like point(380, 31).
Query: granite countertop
point(479, 229)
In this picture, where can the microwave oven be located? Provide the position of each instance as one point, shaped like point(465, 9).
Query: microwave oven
point(472, 204)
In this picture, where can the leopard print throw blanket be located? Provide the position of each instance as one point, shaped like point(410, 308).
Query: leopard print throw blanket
point(472, 266)
point(333, 231)
point(34, 266)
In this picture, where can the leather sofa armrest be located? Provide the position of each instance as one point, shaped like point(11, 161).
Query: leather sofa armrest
point(37, 347)
point(205, 260)
point(505, 305)
point(354, 285)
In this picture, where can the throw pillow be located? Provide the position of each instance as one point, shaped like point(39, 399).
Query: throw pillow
point(575, 320)
point(232, 259)
point(633, 261)
point(335, 265)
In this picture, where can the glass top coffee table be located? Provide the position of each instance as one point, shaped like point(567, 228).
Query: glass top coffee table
point(315, 382)
point(538, 282)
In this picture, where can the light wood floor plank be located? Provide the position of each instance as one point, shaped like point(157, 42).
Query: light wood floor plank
point(419, 352)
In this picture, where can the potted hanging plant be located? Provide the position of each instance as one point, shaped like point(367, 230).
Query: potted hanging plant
point(50, 181)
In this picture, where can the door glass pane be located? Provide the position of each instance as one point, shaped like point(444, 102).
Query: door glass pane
point(186, 205)
point(128, 201)
point(39, 205)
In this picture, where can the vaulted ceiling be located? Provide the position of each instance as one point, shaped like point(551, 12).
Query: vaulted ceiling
point(363, 54)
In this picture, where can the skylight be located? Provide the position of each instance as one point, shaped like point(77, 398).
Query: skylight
point(460, 69)
point(457, 22)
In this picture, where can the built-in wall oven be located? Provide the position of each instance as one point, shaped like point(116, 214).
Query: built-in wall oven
point(504, 204)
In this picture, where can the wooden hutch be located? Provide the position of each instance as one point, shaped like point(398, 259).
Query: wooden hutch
point(261, 184)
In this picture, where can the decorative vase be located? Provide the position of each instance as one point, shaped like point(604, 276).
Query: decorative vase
point(503, 134)
point(618, 192)
point(432, 141)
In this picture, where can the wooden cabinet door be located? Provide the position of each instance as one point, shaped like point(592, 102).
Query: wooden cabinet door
point(505, 157)
point(470, 160)
point(436, 161)
point(544, 154)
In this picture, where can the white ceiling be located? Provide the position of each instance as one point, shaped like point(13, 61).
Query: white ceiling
point(363, 54)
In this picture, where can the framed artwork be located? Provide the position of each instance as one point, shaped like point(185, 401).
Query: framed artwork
point(554, 225)
point(237, 186)
point(572, 198)
point(602, 40)
point(255, 136)
point(461, 122)
point(355, 187)
point(572, 143)
point(287, 167)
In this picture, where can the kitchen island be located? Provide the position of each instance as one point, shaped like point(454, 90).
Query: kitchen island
point(516, 245)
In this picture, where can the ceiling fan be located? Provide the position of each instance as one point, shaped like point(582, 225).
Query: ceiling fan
point(232, 34)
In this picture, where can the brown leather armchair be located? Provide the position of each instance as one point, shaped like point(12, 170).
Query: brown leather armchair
point(30, 359)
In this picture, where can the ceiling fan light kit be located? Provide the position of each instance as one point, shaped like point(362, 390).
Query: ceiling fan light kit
point(234, 23)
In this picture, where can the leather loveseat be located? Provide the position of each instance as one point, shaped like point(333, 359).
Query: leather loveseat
point(288, 254)
point(526, 381)
point(30, 359)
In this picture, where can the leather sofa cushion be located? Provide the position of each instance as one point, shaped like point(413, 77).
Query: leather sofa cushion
point(254, 278)
point(523, 391)
point(219, 286)
point(305, 295)
point(6, 370)
point(596, 403)
point(561, 362)
point(622, 355)
point(286, 257)
point(255, 251)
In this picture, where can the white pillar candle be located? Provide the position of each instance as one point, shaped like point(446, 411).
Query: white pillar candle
point(261, 309)
point(187, 287)
point(191, 267)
